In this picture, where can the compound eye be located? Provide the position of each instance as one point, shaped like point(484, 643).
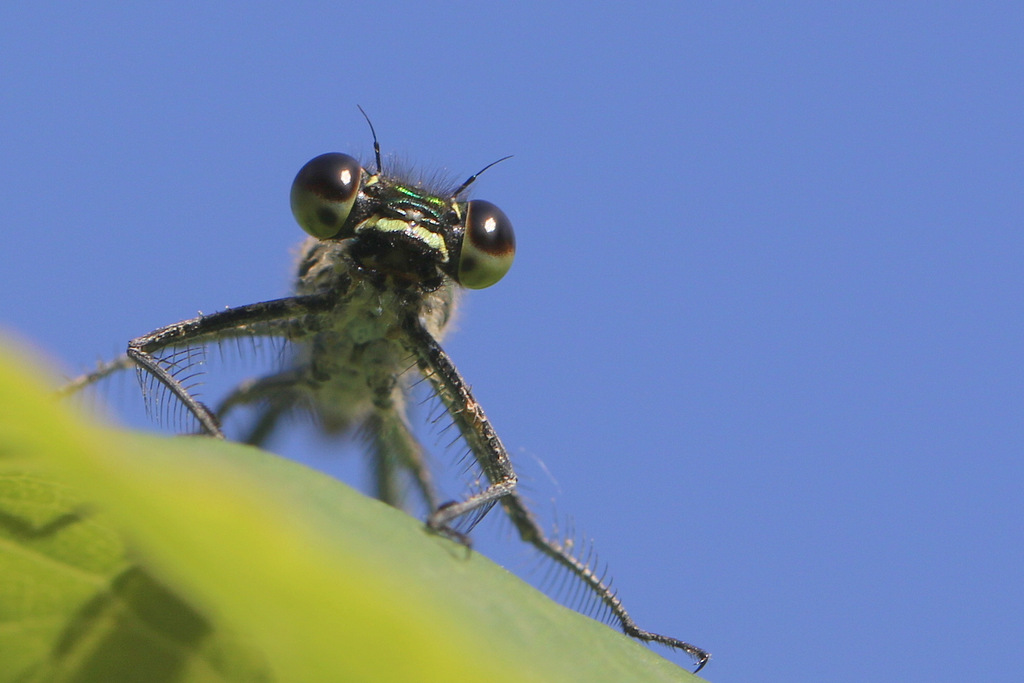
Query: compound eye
point(488, 246)
point(323, 193)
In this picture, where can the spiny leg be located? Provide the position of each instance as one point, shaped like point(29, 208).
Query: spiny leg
point(164, 373)
point(230, 322)
point(490, 453)
point(469, 417)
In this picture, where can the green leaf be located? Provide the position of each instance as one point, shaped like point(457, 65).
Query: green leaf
point(126, 557)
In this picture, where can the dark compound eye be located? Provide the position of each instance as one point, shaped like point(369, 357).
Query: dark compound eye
point(488, 246)
point(323, 193)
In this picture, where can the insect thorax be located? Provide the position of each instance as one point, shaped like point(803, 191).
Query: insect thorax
point(353, 354)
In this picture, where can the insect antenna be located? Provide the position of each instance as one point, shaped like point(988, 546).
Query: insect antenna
point(471, 179)
point(376, 145)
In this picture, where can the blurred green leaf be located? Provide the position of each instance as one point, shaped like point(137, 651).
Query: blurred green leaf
point(126, 557)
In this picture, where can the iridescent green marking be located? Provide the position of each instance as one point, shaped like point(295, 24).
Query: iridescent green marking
point(418, 194)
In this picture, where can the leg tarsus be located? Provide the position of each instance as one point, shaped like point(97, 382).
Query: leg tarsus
point(699, 655)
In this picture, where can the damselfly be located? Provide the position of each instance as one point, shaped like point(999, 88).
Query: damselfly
point(378, 280)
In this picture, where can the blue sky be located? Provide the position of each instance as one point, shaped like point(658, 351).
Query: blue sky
point(764, 327)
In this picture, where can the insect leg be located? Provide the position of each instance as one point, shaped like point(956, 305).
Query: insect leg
point(277, 394)
point(240, 321)
point(104, 369)
point(469, 417)
point(490, 453)
point(395, 448)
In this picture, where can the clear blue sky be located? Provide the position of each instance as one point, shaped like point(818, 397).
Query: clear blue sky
point(765, 325)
